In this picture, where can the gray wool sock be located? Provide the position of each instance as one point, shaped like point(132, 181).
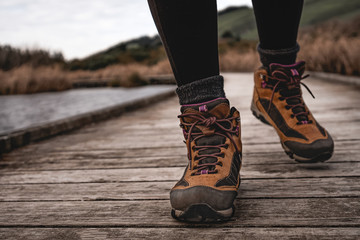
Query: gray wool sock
point(201, 90)
point(282, 56)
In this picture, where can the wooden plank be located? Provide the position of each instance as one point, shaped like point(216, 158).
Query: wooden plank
point(155, 127)
point(350, 146)
point(88, 161)
point(239, 93)
point(174, 173)
point(179, 233)
point(144, 130)
point(108, 175)
point(249, 188)
point(148, 125)
point(105, 139)
point(338, 212)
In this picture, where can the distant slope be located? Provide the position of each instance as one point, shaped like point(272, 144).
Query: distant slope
point(241, 21)
point(143, 49)
point(316, 11)
point(238, 22)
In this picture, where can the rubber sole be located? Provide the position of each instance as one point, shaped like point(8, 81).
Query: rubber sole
point(203, 213)
point(318, 158)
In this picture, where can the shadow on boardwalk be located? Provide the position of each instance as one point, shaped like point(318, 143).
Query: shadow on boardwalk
point(111, 180)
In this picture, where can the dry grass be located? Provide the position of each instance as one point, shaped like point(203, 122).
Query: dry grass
point(26, 79)
point(340, 56)
point(321, 54)
point(330, 47)
point(235, 61)
point(11, 57)
point(120, 75)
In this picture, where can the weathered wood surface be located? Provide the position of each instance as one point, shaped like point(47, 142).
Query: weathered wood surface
point(174, 173)
point(112, 180)
point(315, 212)
point(250, 188)
point(215, 232)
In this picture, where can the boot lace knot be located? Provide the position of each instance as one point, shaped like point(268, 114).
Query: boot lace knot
point(220, 127)
point(289, 87)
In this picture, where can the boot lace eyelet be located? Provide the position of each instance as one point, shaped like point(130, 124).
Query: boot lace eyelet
point(288, 84)
point(207, 155)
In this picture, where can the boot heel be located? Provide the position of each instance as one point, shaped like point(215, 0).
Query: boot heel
point(257, 113)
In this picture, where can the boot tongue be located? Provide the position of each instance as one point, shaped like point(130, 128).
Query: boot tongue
point(292, 73)
point(290, 70)
point(218, 108)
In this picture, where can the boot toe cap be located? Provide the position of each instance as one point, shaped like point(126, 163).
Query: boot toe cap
point(312, 150)
point(181, 199)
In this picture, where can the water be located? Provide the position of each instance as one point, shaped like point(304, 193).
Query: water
point(22, 111)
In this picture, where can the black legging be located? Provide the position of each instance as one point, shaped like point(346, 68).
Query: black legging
point(188, 29)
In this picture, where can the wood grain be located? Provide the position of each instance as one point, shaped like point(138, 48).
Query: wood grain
point(112, 180)
point(250, 188)
point(315, 212)
point(215, 232)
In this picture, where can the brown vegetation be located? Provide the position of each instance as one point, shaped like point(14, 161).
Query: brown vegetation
point(14, 57)
point(329, 47)
point(26, 79)
point(235, 61)
point(332, 47)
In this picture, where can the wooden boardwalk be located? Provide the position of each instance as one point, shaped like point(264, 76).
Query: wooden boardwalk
point(112, 180)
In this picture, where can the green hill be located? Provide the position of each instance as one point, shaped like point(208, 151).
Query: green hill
point(237, 22)
point(240, 21)
point(144, 50)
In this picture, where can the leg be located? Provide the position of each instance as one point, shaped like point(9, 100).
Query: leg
point(277, 94)
point(188, 30)
point(277, 24)
point(209, 185)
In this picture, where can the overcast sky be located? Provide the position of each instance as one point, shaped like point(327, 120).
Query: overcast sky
point(77, 28)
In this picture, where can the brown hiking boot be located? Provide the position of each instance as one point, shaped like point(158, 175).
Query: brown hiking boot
point(208, 188)
point(278, 101)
